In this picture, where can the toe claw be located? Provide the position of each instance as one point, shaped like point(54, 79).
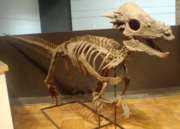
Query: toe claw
point(54, 93)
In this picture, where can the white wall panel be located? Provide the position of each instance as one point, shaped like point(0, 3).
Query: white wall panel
point(108, 4)
point(160, 10)
point(99, 13)
point(7, 12)
point(31, 6)
point(30, 27)
point(82, 24)
point(10, 3)
point(82, 14)
point(11, 26)
point(36, 17)
point(19, 17)
point(168, 19)
point(155, 3)
point(23, 5)
point(81, 5)
point(101, 23)
point(163, 10)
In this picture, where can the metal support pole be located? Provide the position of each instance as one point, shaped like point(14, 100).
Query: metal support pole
point(115, 104)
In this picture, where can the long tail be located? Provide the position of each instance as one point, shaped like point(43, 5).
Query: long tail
point(38, 44)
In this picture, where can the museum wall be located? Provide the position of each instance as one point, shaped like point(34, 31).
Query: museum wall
point(55, 15)
point(86, 14)
point(28, 69)
point(177, 12)
point(19, 17)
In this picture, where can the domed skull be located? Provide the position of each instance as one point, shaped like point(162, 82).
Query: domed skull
point(134, 22)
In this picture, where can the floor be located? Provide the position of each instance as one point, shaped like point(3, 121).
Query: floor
point(136, 94)
point(146, 113)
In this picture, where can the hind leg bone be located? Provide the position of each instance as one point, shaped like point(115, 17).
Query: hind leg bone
point(50, 78)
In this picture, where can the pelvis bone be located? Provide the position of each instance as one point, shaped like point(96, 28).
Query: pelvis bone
point(134, 22)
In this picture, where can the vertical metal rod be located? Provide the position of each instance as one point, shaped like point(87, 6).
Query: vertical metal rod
point(98, 115)
point(99, 124)
point(99, 120)
point(115, 104)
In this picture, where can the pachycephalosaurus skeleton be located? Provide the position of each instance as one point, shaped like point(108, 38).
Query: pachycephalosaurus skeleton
point(133, 22)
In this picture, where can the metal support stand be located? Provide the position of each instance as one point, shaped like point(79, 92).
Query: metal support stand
point(115, 104)
point(100, 126)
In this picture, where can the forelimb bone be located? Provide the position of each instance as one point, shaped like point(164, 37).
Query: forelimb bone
point(99, 90)
point(110, 80)
point(116, 99)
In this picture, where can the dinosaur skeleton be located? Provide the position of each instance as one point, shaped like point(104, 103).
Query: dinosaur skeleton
point(133, 22)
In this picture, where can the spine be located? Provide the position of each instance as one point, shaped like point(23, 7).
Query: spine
point(38, 44)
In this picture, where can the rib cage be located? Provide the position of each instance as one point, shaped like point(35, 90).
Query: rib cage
point(111, 52)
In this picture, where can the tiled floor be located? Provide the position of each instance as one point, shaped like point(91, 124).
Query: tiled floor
point(146, 113)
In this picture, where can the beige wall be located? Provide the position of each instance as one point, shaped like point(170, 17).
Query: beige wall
point(177, 12)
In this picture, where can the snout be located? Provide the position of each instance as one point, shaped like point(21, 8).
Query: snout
point(168, 34)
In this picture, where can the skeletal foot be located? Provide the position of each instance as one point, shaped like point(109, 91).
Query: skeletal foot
point(115, 100)
point(97, 103)
point(124, 106)
point(54, 93)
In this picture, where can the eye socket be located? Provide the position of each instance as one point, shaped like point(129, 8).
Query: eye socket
point(134, 24)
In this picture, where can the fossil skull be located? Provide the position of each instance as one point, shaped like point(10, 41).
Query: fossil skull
point(134, 22)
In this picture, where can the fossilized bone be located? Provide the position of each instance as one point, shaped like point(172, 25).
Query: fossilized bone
point(133, 22)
